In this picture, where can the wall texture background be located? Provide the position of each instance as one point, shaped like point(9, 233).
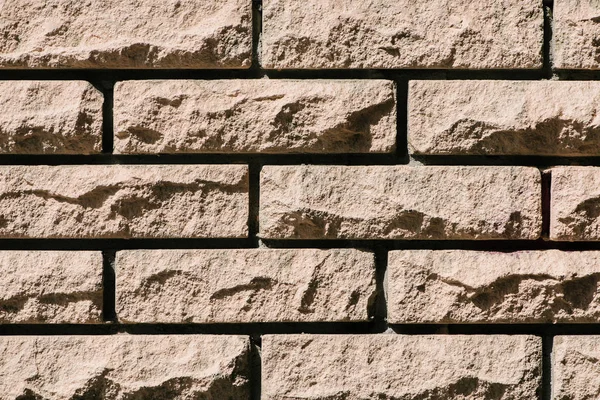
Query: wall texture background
point(319, 199)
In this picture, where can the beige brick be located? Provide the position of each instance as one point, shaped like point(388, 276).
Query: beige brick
point(244, 285)
point(402, 34)
point(399, 202)
point(575, 34)
point(575, 203)
point(50, 117)
point(50, 287)
point(320, 367)
point(548, 118)
point(458, 286)
point(126, 34)
point(120, 367)
point(102, 201)
point(255, 116)
point(575, 367)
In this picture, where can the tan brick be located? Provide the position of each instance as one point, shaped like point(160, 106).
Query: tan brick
point(575, 34)
point(101, 201)
point(504, 117)
point(50, 287)
point(119, 367)
point(575, 202)
point(458, 286)
point(126, 34)
point(575, 367)
point(320, 367)
point(399, 202)
point(244, 285)
point(50, 117)
point(255, 116)
point(402, 34)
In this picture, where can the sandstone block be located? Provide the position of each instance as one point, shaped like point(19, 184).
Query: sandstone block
point(50, 287)
point(244, 285)
point(575, 34)
point(575, 203)
point(399, 202)
point(255, 116)
point(457, 286)
point(547, 118)
point(462, 34)
point(320, 367)
point(575, 367)
point(124, 367)
point(122, 201)
point(126, 34)
point(50, 117)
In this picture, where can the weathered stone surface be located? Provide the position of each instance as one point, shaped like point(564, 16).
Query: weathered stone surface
point(323, 367)
point(124, 367)
point(575, 367)
point(50, 287)
point(575, 203)
point(100, 201)
point(457, 286)
point(125, 34)
point(504, 117)
point(402, 34)
point(50, 117)
point(575, 34)
point(399, 202)
point(244, 285)
point(255, 116)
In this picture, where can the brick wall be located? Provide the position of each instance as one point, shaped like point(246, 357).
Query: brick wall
point(283, 200)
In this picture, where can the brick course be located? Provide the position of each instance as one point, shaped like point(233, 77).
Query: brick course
point(274, 199)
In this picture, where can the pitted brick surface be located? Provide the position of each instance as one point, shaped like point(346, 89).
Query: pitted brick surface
point(399, 202)
point(100, 201)
point(255, 116)
point(463, 34)
point(325, 367)
point(459, 286)
point(244, 285)
point(50, 287)
point(124, 367)
point(504, 118)
point(125, 34)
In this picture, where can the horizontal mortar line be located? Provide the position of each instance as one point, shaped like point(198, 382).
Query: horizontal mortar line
point(189, 329)
point(124, 244)
point(297, 159)
point(211, 158)
point(285, 328)
point(540, 329)
point(249, 243)
point(254, 73)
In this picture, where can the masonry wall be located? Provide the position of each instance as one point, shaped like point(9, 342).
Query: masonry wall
point(282, 200)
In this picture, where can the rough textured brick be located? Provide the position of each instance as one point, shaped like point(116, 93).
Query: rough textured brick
point(125, 34)
point(256, 116)
point(402, 34)
point(575, 34)
point(50, 287)
point(575, 367)
point(287, 285)
point(400, 202)
point(124, 367)
point(323, 367)
point(457, 286)
point(575, 201)
point(504, 117)
point(96, 201)
point(52, 117)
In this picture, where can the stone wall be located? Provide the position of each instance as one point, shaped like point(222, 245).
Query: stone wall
point(283, 199)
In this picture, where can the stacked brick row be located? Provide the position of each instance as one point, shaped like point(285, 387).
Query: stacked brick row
point(286, 279)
